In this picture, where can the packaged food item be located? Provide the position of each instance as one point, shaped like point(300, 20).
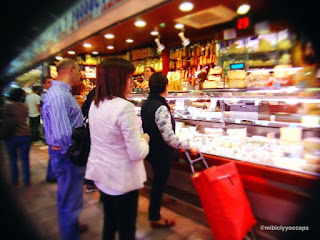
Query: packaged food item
point(259, 79)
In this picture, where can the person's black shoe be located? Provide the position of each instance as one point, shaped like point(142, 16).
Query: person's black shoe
point(51, 180)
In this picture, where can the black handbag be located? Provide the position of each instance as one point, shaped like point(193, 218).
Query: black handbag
point(79, 150)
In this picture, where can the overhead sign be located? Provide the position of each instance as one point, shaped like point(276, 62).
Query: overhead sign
point(78, 17)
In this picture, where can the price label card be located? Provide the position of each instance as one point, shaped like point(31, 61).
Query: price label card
point(184, 116)
point(194, 117)
point(175, 115)
point(208, 118)
point(237, 121)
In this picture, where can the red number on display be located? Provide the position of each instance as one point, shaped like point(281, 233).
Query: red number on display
point(243, 23)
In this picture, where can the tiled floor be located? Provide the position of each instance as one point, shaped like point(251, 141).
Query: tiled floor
point(39, 204)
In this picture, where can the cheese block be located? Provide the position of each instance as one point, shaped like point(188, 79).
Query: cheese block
point(214, 78)
point(236, 83)
point(213, 130)
point(215, 70)
point(311, 144)
point(238, 75)
point(290, 135)
point(210, 84)
point(237, 132)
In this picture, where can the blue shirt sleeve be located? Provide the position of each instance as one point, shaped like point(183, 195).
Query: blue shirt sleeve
point(60, 115)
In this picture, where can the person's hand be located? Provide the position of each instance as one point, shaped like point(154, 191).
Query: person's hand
point(194, 150)
point(146, 137)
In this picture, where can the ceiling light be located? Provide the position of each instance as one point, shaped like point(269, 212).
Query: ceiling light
point(129, 40)
point(159, 45)
point(186, 6)
point(185, 41)
point(95, 52)
point(243, 9)
point(71, 52)
point(140, 23)
point(59, 58)
point(109, 36)
point(154, 33)
point(110, 47)
point(87, 45)
point(179, 26)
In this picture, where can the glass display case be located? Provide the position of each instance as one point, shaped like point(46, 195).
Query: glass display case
point(276, 127)
point(260, 51)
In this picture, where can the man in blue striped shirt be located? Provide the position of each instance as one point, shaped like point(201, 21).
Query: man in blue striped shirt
point(61, 114)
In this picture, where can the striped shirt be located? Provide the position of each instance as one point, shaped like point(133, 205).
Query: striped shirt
point(61, 114)
point(163, 121)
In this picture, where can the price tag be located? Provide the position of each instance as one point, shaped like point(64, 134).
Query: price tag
point(185, 116)
point(208, 118)
point(194, 117)
point(264, 123)
point(237, 121)
point(175, 115)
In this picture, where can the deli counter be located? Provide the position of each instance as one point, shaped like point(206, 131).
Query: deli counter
point(272, 134)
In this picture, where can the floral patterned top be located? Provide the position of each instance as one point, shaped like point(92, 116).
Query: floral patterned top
point(163, 121)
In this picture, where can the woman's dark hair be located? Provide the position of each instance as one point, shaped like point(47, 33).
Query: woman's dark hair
point(202, 76)
point(157, 83)
point(151, 68)
point(112, 74)
point(78, 89)
point(17, 95)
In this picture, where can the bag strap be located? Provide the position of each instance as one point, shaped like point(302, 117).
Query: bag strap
point(193, 161)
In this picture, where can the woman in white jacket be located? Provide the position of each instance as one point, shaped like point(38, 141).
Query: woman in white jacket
point(117, 151)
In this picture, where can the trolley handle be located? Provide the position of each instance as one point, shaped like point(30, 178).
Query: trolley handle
point(193, 161)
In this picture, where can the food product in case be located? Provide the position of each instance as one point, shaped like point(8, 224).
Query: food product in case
point(237, 79)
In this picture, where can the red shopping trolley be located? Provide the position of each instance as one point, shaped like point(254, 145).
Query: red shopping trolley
point(223, 199)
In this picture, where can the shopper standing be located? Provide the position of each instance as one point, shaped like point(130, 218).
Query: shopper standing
point(46, 84)
point(158, 122)
point(90, 186)
point(79, 92)
point(33, 102)
point(61, 114)
point(20, 141)
point(117, 151)
point(148, 71)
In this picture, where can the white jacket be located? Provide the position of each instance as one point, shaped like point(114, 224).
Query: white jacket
point(117, 150)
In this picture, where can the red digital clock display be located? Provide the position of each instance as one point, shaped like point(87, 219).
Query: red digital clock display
point(243, 23)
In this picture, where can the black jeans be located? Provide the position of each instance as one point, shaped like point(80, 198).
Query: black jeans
point(161, 172)
point(34, 123)
point(120, 214)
